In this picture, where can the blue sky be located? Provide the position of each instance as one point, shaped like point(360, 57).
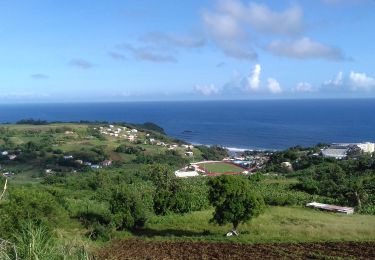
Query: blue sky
point(203, 49)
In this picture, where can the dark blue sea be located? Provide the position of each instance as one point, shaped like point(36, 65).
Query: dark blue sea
point(258, 124)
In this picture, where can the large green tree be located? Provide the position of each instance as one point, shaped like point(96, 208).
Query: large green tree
point(234, 200)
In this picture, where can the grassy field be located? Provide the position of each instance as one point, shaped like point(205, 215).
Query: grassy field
point(277, 224)
point(220, 167)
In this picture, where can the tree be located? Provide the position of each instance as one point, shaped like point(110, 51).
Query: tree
point(130, 206)
point(165, 188)
point(234, 200)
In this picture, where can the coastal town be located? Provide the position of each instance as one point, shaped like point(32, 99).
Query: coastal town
point(97, 159)
point(245, 162)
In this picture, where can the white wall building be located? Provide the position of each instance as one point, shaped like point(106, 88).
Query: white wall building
point(367, 147)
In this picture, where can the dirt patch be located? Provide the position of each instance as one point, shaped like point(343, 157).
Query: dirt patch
point(140, 249)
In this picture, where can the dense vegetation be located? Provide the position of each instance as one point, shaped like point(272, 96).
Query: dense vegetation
point(52, 192)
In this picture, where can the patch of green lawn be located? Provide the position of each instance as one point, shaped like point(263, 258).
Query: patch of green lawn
point(276, 224)
point(221, 167)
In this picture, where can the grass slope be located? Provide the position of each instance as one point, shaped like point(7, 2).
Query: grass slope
point(277, 224)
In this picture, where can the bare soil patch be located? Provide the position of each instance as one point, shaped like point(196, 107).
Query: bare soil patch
point(141, 249)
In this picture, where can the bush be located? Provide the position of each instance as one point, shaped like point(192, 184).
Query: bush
point(28, 204)
point(129, 149)
point(214, 153)
point(130, 207)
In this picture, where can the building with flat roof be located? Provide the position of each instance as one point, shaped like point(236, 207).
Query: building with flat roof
point(337, 153)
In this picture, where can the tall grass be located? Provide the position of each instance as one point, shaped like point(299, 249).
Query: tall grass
point(36, 242)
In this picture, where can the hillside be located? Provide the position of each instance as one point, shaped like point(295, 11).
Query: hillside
point(89, 189)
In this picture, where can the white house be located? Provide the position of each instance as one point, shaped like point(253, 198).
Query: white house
point(190, 154)
point(12, 156)
point(367, 147)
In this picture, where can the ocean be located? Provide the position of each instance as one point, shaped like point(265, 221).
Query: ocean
point(261, 124)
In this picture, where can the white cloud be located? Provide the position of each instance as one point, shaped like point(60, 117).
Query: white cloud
point(287, 22)
point(360, 81)
point(227, 34)
point(39, 76)
point(81, 63)
point(230, 25)
point(149, 54)
point(355, 81)
point(173, 40)
point(340, 2)
point(116, 55)
point(303, 87)
point(304, 48)
point(273, 86)
point(253, 81)
point(208, 90)
point(336, 82)
point(262, 19)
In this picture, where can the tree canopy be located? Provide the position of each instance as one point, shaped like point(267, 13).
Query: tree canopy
point(234, 200)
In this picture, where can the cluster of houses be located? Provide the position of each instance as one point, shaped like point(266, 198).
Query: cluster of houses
point(252, 162)
point(105, 163)
point(119, 132)
point(342, 150)
point(6, 173)
point(188, 147)
point(7, 154)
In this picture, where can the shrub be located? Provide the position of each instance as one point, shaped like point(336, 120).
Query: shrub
point(28, 204)
point(130, 207)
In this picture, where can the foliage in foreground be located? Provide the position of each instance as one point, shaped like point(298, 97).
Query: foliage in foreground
point(39, 243)
point(29, 204)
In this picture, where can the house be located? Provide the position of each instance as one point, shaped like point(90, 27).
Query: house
point(189, 171)
point(332, 208)
point(68, 157)
point(48, 171)
point(367, 147)
point(337, 153)
point(106, 163)
point(12, 156)
point(95, 166)
point(134, 131)
point(287, 165)
point(69, 132)
point(79, 162)
point(4, 153)
point(87, 163)
point(111, 126)
point(8, 174)
point(190, 154)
